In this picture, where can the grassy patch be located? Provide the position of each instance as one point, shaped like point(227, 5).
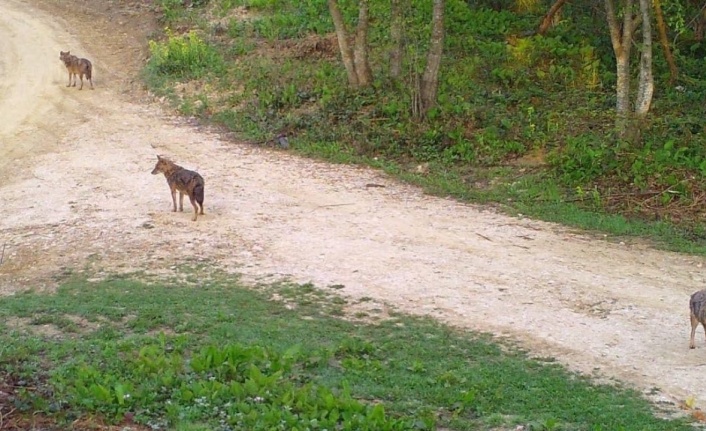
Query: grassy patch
point(217, 356)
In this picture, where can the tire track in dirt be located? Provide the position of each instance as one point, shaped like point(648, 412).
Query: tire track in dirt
point(84, 199)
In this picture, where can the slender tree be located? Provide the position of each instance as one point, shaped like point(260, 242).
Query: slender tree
point(362, 63)
point(621, 37)
point(343, 45)
point(355, 58)
point(396, 34)
point(646, 84)
point(700, 20)
point(430, 79)
point(664, 41)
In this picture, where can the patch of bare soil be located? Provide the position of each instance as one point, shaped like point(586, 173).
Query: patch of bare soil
point(76, 191)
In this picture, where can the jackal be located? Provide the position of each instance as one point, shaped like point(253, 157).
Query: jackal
point(697, 308)
point(185, 181)
point(77, 67)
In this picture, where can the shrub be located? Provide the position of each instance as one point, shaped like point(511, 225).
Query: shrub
point(184, 56)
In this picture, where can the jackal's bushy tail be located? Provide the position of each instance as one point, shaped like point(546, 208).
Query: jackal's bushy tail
point(198, 194)
point(89, 70)
point(697, 305)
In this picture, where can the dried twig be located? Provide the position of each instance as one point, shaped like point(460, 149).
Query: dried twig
point(6, 415)
point(484, 237)
point(2, 255)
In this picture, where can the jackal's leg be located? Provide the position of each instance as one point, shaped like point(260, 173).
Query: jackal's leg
point(694, 324)
point(181, 201)
point(174, 199)
point(69, 84)
point(80, 75)
point(196, 207)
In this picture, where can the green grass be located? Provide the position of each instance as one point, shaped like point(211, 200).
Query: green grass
point(218, 356)
point(538, 197)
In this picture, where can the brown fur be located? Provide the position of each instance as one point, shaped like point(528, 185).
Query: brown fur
point(77, 67)
point(697, 308)
point(187, 182)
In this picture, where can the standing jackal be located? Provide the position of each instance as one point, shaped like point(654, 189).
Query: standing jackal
point(697, 308)
point(185, 181)
point(77, 67)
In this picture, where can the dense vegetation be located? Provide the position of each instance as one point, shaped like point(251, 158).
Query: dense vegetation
point(522, 119)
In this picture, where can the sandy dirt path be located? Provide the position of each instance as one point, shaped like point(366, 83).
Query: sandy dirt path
point(76, 192)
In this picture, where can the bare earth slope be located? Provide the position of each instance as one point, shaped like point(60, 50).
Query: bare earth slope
point(76, 192)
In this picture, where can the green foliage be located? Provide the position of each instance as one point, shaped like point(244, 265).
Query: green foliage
point(549, 62)
point(279, 19)
point(584, 158)
point(668, 165)
point(243, 387)
point(185, 56)
point(222, 357)
point(172, 10)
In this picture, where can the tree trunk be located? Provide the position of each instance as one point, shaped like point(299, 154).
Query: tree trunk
point(662, 28)
point(396, 32)
point(549, 17)
point(699, 21)
point(343, 45)
point(622, 42)
point(700, 26)
point(362, 64)
point(646, 85)
point(430, 79)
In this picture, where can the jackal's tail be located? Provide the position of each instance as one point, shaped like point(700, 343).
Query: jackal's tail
point(198, 194)
point(697, 305)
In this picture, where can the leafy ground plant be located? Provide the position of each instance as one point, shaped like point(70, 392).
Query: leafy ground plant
point(218, 356)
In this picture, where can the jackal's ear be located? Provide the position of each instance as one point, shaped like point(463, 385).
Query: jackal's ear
point(159, 157)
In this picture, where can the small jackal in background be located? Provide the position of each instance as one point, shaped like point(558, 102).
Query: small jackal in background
point(187, 182)
point(77, 67)
point(697, 306)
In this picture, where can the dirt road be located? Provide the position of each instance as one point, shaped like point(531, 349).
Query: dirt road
point(76, 192)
